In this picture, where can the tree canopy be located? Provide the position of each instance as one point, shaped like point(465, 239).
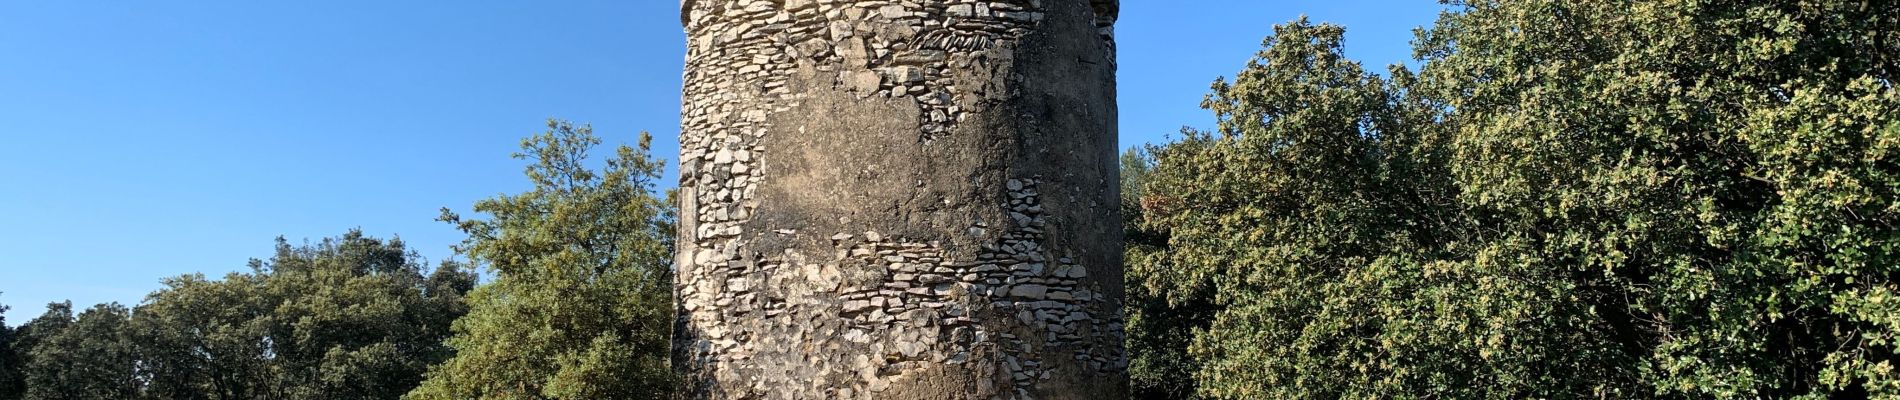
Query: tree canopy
point(348, 317)
point(88, 356)
point(352, 316)
point(580, 307)
point(581, 304)
point(1669, 198)
point(12, 380)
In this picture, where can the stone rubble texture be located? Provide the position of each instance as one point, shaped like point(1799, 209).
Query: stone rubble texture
point(899, 199)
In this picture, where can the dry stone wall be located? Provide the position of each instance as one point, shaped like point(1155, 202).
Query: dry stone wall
point(897, 199)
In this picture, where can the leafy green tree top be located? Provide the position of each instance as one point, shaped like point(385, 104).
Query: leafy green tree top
point(88, 356)
point(1667, 198)
point(12, 382)
point(348, 317)
point(581, 304)
point(1712, 183)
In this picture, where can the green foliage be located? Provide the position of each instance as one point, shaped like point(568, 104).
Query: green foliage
point(205, 338)
point(352, 317)
point(1713, 182)
point(12, 380)
point(349, 317)
point(581, 304)
point(90, 356)
point(1288, 224)
point(1159, 326)
point(1668, 198)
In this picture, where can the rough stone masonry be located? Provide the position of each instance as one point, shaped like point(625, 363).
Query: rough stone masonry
point(899, 199)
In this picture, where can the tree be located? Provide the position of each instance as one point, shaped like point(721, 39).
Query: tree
point(581, 304)
point(205, 339)
point(1160, 325)
point(1288, 223)
point(349, 317)
point(12, 382)
point(1711, 185)
point(355, 319)
point(1666, 198)
point(90, 356)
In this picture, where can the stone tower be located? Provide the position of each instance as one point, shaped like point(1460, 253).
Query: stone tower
point(899, 199)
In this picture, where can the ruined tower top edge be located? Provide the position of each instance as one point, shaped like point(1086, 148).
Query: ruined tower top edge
point(1105, 9)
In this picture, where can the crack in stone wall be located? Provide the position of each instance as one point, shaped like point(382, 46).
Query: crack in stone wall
point(878, 316)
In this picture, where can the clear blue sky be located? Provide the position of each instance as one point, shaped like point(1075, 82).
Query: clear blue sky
point(147, 139)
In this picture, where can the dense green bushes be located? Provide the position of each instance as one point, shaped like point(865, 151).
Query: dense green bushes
point(1568, 199)
point(579, 308)
point(350, 317)
point(582, 302)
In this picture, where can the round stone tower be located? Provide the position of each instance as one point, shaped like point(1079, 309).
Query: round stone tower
point(899, 199)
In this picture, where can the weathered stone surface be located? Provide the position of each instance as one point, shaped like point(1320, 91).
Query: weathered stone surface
point(899, 199)
point(1033, 292)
